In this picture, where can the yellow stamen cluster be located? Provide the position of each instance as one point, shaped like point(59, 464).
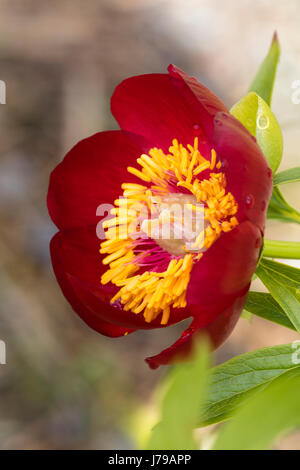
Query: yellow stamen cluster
point(219, 207)
point(154, 293)
point(120, 258)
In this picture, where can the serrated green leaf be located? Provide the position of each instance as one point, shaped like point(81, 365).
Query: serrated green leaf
point(255, 114)
point(265, 306)
point(263, 82)
point(283, 282)
point(288, 176)
point(181, 405)
point(264, 417)
point(279, 209)
point(234, 381)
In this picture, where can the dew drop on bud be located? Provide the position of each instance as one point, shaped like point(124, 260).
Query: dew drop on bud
point(196, 129)
point(263, 121)
point(249, 201)
point(269, 173)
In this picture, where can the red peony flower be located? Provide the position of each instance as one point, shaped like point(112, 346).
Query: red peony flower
point(177, 144)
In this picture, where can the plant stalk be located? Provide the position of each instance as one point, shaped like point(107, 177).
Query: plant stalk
point(281, 249)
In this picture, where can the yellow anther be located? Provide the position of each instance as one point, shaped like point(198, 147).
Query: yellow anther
point(139, 174)
point(204, 166)
point(213, 159)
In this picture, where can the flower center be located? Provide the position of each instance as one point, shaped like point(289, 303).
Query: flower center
point(161, 228)
point(174, 225)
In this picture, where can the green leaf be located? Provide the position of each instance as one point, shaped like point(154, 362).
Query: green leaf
point(234, 381)
point(288, 176)
point(279, 209)
point(283, 282)
point(264, 306)
point(291, 275)
point(247, 315)
point(265, 417)
point(181, 405)
point(255, 114)
point(263, 83)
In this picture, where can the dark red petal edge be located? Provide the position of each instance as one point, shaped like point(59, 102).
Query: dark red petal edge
point(69, 290)
point(217, 332)
point(150, 106)
point(202, 101)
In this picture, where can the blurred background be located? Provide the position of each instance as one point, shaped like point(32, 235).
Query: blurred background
point(64, 386)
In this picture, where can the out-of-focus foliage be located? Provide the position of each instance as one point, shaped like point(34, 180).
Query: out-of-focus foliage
point(232, 382)
point(258, 391)
point(265, 417)
point(182, 404)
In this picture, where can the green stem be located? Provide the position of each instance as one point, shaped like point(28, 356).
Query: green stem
point(279, 249)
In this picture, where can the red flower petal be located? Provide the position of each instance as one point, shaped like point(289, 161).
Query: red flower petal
point(224, 271)
point(218, 331)
point(150, 106)
point(78, 267)
point(90, 174)
point(248, 175)
point(61, 252)
point(200, 99)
